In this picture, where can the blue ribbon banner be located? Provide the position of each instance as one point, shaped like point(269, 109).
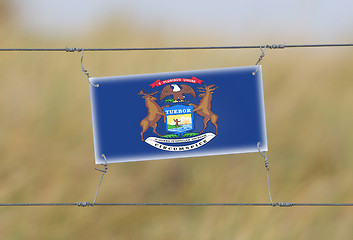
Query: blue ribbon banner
point(178, 114)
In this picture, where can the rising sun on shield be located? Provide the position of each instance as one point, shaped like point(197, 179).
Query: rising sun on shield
point(179, 119)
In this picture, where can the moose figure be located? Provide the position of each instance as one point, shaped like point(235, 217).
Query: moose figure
point(204, 107)
point(155, 112)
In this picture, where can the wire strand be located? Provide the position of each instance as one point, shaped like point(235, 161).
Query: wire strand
point(104, 171)
point(263, 154)
point(88, 204)
point(269, 46)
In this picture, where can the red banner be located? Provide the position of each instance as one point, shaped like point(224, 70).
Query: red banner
point(158, 82)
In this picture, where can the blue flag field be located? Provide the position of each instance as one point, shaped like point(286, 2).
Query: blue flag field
point(178, 114)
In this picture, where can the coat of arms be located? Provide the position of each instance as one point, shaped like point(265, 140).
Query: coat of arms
point(177, 107)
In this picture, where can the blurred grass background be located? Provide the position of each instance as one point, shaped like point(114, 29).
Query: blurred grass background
point(46, 145)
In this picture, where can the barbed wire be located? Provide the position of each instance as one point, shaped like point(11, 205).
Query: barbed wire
point(89, 204)
point(268, 46)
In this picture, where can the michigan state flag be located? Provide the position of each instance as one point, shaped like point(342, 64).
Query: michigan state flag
point(178, 114)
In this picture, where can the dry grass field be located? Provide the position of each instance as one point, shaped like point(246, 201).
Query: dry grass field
point(46, 146)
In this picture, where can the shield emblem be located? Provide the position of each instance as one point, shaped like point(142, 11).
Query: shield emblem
point(179, 119)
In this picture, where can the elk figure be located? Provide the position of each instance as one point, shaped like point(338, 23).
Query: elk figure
point(155, 112)
point(204, 107)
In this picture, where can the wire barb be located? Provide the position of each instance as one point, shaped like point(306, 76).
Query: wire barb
point(84, 204)
point(103, 172)
point(276, 46)
point(263, 154)
point(285, 204)
point(67, 49)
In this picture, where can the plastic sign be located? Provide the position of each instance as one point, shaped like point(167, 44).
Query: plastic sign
point(178, 114)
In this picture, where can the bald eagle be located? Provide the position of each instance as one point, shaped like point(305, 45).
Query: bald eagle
point(177, 92)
